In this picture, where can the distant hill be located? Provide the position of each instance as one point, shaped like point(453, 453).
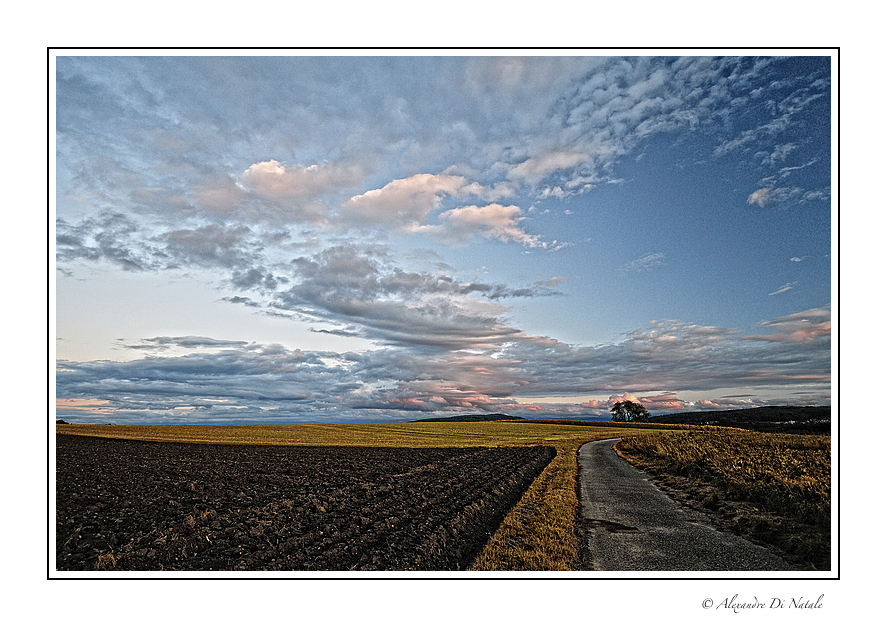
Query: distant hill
point(774, 419)
point(473, 418)
point(781, 419)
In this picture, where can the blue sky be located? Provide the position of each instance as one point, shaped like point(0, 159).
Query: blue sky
point(329, 239)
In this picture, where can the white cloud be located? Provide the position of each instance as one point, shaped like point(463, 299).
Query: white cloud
point(759, 197)
point(786, 171)
point(768, 195)
point(492, 221)
point(779, 154)
point(534, 169)
point(647, 262)
point(407, 202)
point(784, 288)
point(295, 192)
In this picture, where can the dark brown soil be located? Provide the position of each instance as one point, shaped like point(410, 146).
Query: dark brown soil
point(129, 505)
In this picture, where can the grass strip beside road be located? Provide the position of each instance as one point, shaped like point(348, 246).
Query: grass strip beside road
point(773, 488)
point(538, 534)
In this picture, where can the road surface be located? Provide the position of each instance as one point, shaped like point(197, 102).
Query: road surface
point(631, 525)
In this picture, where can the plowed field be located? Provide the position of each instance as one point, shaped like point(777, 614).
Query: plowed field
point(151, 506)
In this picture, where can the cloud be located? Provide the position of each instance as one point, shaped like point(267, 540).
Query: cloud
point(784, 288)
point(353, 289)
point(189, 342)
point(558, 124)
point(670, 355)
point(770, 195)
point(237, 250)
point(406, 203)
point(285, 192)
point(789, 170)
point(212, 246)
point(803, 327)
point(557, 280)
point(241, 300)
point(236, 380)
point(645, 263)
point(619, 102)
point(83, 406)
point(663, 402)
point(778, 154)
point(533, 170)
point(232, 382)
point(294, 193)
point(359, 288)
point(759, 197)
point(754, 137)
point(492, 221)
point(807, 92)
point(109, 237)
point(221, 196)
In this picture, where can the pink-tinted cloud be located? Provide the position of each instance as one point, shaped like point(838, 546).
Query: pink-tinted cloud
point(665, 402)
point(88, 406)
point(722, 404)
point(802, 327)
point(492, 221)
point(279, 181)
point(406, 203)
point(288, 193)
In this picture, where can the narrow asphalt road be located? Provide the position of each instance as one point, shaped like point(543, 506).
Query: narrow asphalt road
point(631, 525)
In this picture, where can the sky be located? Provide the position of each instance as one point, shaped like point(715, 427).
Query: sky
point(385, 238)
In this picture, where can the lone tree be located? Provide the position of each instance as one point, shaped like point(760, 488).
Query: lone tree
point(629, 410)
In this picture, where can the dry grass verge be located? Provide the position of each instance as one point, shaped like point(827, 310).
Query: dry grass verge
point(538, 534)
point(774, 489)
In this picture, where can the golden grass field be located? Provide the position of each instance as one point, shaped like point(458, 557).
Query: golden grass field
point(406, 434)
